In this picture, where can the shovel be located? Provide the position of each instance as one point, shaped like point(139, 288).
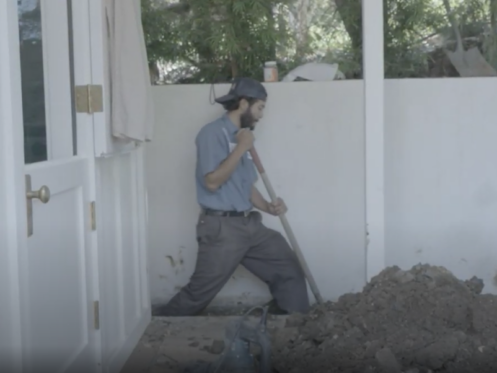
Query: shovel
point(286, 227)
point(468, 63)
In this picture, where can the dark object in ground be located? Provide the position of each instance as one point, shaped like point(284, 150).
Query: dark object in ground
point(215, 348)
point(236, 349)
point(420, 320)
point(273, 309)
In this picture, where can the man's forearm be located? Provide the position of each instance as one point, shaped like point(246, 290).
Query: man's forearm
point(218, 177)
point(258, 200)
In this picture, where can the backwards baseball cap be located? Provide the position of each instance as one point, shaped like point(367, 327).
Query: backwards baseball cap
point(244, 87)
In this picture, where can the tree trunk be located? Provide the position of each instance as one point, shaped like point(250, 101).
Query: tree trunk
point(351, 14)
point(272, 27)
point(302, 10)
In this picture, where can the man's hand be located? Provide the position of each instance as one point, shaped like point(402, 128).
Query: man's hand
point(245, 139)
point(278, 207)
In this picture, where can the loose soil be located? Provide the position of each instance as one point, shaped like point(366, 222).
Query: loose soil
point(417, 321)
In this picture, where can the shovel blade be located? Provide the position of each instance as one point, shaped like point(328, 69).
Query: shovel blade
point(470, 63)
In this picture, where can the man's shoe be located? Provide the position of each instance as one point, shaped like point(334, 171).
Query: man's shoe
point(274, 309)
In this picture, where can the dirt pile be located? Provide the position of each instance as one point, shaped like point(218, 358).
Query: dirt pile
point(416, 321)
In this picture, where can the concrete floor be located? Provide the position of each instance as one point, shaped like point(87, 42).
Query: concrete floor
point(169, 343)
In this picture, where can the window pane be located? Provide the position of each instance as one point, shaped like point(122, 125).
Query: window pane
point(33, 85)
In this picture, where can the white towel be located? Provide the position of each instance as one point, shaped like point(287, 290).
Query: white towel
point(132, 110)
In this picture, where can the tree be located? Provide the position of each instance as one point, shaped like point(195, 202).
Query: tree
point(213, 40)
point(205, 41)
point(417, 31)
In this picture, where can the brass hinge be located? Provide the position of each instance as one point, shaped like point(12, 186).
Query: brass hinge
point(89, 98)
point(93, 216)
point(96, 315)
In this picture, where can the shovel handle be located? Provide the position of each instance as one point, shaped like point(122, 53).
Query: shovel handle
point(287, 228)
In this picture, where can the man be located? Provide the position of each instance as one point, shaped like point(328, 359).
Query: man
point(229, 233)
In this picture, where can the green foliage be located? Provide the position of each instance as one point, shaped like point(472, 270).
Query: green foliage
point(216, 39)
point(201, 41)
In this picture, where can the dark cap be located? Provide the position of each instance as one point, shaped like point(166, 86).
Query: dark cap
point(244, 87)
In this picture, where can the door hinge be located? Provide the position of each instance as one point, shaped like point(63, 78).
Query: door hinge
point(89, 98)
point(96, 315)
point(93, 216)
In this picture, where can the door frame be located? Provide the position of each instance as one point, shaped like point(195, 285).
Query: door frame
point(13, 224)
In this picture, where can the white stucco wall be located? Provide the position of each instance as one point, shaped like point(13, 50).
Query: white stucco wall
point(312, 144)
point(440, 183)
point(441, 179)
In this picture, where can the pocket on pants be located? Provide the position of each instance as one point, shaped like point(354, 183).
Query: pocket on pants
point(257, 216)
point(209, 229)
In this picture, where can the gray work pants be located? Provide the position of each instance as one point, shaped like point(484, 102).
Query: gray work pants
point(226, 242)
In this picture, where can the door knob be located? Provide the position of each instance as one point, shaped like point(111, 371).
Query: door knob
point(43, 194)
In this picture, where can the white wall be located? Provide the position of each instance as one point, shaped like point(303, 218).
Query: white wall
point(441, 179)
point(440, 183)
point(312, 144)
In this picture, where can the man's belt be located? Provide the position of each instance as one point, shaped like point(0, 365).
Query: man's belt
point(230, 214)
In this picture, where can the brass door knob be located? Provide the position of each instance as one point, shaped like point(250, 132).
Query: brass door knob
point(43, 194)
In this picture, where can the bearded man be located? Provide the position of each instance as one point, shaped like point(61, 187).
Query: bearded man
point(229, 231)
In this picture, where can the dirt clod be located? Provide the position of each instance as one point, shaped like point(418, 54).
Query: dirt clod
point(387, 361)
point(417, 321)
point(215, 348)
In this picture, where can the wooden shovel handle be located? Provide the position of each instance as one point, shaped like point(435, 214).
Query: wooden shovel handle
point(286, 226)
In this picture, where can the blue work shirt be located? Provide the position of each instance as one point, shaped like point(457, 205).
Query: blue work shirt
point(215, 142)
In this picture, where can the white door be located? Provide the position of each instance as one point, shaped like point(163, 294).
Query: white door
point(58, 282)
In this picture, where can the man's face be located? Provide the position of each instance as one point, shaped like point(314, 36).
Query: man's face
point(252, 115)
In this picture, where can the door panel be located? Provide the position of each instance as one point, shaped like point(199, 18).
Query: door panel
point(130, 248)
point(56, 270)
point(124, 279)
point(54, 273)
point(60, 316)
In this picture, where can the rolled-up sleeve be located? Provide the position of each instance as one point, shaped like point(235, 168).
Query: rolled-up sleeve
point(212, 149)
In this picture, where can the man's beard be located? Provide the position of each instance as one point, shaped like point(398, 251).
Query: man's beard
point(247, 120)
